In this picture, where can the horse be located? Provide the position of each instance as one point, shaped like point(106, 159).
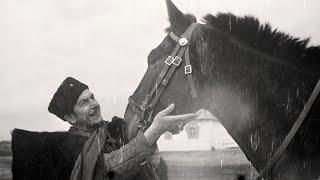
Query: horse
point(255, 79)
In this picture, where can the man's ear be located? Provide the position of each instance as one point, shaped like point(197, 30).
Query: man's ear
point(70, 118)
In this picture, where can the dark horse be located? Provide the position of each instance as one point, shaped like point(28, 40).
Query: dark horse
point(254, 79)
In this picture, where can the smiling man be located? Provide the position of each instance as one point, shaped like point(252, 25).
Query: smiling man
point(98, 149)
point(86, 115)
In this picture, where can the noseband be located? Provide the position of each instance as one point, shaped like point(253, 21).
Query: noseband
point(172, 62)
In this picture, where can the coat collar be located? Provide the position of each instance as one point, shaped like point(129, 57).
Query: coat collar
point(84, 132)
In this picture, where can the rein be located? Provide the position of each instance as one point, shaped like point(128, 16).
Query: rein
point(181, 50)
point(293, 131)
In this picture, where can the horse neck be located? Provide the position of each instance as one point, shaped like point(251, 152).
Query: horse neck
point(258, 105)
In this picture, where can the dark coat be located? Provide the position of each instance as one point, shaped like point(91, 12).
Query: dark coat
point(51, 155)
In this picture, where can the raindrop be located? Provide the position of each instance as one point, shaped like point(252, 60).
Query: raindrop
point(272, 144)
point(288, 102)
point(297, 92)
point(114, 99)
point(230, 22)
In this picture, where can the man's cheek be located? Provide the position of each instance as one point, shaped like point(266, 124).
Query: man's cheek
point(83, 117)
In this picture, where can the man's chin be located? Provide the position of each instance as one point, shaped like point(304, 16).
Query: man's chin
point(95, 123)
point(97, 120)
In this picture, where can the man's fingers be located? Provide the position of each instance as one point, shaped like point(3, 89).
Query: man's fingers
point(204, 114)
point(175, 130)
point(181, 118)
point(183, 125)
point(166, 111)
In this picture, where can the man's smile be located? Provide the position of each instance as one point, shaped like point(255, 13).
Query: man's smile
point(95, 111)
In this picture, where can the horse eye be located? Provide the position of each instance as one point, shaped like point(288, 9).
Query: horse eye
point(162, 48)
point(165, 45)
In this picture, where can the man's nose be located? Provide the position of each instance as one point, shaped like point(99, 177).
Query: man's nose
point(95, 106)
point(94, 103)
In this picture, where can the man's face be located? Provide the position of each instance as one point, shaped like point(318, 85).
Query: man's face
point(87, 109)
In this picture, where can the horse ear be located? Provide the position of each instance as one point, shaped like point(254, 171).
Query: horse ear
point(176, 17)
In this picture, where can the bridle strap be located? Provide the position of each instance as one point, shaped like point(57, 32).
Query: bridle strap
point(188, 71)
point(166, 80)
point(188, 67)
point(296, 126)
point(157, 89)
point(160, 78)
point(167, 72)
point(174, 37)
point(183, 51)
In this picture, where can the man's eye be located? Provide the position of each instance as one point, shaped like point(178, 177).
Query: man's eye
point(83, 103)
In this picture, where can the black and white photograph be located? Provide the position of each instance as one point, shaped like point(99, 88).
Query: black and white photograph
point(160, 90)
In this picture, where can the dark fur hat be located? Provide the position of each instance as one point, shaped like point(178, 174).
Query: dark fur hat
point(66, 96)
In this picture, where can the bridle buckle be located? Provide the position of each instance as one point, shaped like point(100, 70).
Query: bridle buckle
point(169, 60)
point(188, 69)
point(177, 61)
point(183, 41)
point(143, 106)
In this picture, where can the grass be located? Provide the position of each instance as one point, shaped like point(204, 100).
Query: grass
point(5, 148)
point(226, 164)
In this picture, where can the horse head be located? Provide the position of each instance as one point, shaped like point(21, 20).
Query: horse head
point(254, 79)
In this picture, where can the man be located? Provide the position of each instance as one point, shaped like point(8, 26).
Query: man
point(103, 152)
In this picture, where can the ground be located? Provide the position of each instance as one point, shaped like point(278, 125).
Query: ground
point(226, 164)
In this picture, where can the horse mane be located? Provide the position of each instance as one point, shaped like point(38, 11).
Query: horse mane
point(250, 31)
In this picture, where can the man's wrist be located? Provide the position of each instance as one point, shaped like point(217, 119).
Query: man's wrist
point(152, 134)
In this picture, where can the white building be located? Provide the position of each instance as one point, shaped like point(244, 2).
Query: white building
point(206, 134)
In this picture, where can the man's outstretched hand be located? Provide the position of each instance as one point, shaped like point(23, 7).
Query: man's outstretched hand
point(164, 122)
point(201, 114)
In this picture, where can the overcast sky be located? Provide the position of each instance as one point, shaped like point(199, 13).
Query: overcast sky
point(104, 44)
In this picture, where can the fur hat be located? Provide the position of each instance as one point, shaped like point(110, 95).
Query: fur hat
point(65, 97)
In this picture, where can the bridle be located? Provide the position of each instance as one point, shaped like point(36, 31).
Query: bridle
point(145, 108)
point(172, 62)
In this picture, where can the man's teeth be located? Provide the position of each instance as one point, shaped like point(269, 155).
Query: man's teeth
point(94, 112)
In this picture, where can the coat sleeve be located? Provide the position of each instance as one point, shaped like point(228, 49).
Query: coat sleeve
point(127, 161)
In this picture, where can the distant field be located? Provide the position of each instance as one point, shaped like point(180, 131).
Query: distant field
point(198, 165)
point(226, 164)
point(5, 167)
point(5, 148)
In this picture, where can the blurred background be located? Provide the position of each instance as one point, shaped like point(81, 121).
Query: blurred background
point(105, 45)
